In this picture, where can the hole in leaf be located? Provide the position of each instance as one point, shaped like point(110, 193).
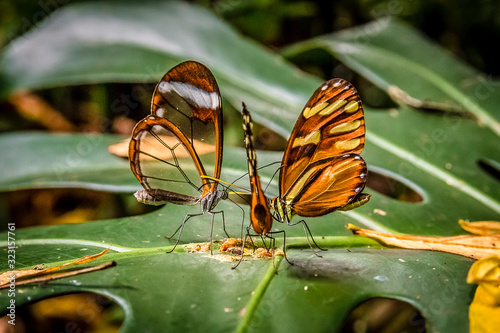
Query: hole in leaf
point(55, 206)
point(79, 312)
point(491, 167)
point(385, 315)
point(391, 187)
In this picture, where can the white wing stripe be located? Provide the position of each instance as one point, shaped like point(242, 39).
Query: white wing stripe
point(198, 97)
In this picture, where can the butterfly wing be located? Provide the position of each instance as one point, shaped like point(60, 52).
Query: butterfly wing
point(260, 215)
point(182, 134)
point(321, 167)
point(328, 185)
point(331, 124)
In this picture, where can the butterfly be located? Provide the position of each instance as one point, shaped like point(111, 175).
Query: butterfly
point(185, 123)
point(261, 219)
point(321, 170)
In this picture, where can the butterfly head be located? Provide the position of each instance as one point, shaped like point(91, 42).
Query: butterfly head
point(282, 212)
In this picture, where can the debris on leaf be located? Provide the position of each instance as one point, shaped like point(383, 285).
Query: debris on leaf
point(233, 246)
point(231, 243)
point(484, 312)
point(197, 247)
point(36, 274)
point(230, 250)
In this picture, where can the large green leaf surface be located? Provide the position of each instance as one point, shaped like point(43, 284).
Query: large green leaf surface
point(436, 155)
point(412, 69)
point(139, 42)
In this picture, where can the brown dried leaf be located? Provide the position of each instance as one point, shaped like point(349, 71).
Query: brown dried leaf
point(158, 150)
point(35, 108)
point(476, 247)
point(20, 275)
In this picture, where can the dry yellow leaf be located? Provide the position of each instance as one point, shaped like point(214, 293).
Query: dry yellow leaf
point(484, 312)
point(481, 228)
point(476, 247)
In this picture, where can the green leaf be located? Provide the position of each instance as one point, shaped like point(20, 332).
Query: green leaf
point(42, 160)
point(412, 69)
point(139, 42)
point(437, 155)
point(159, 290)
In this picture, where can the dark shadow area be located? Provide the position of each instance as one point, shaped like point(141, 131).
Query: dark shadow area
point(491, 167)
point(79, 312)
point(28, 208)
point(392, 188)
point(384, 315)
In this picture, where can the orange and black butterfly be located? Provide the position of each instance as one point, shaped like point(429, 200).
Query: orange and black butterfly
point(321, 170)
point(261, 219)
point(260, 214)
point(185, 123)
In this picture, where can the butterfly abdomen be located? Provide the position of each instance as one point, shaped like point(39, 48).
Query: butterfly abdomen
point(260, 214)
point(157, 197)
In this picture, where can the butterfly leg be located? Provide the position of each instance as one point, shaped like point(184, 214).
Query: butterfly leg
point(243, 247)
point(175, 232)
point(271, 243)
point(224, 225)
point(212, 227)
point(272, 247)
point(308, 233)
point(179, 229)
point(242, 221)
point(284, 244)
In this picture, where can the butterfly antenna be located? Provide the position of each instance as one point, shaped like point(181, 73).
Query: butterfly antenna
point(223, 182)
point(274, 174)
point(284, 244)
point(244, 239)
point(180, 228)
point(243, 218)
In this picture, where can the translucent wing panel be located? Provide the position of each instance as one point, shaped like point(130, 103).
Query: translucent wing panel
point(161, 158)
point(188, 97)
point(331, 124)
point(328, 185)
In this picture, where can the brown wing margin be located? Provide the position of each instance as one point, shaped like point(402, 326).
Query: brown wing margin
point(188, 96)
point(331, 124)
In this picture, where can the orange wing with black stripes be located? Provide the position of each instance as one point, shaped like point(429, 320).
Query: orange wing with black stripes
point(321, 169)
